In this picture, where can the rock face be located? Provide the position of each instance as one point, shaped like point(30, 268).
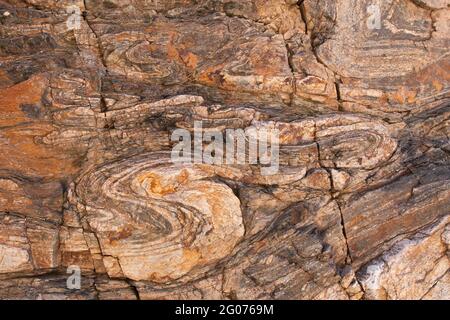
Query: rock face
point(92, 91)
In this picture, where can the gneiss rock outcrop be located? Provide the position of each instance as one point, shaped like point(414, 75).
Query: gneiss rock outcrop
point(91, 92)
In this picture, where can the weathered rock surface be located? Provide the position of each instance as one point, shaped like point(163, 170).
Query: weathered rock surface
point(91, 92)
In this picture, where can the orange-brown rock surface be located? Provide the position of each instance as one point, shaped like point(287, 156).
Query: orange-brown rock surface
point(91, 92)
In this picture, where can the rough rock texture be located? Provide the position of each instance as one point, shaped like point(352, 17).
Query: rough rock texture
point(360, 208)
